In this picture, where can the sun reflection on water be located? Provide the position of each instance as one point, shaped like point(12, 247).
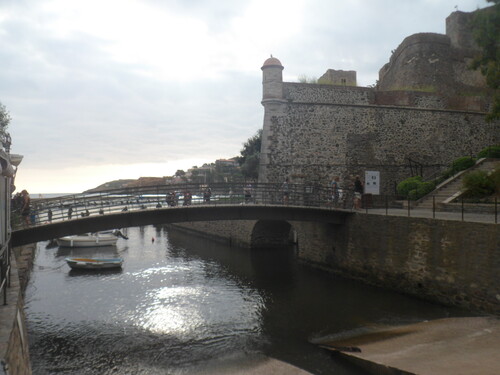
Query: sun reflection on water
point(184, 311)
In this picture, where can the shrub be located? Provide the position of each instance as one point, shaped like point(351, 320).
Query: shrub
point(414, 188)
point(405, 186)
point(478, 184)
point(462, 163)
point(412, 195)
point(489, 152)
point(425, 188)
point(495, 177)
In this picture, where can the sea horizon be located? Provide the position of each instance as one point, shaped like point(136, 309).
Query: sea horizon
point(49, 195)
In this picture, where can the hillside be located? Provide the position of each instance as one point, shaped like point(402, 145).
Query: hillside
point(128, 183)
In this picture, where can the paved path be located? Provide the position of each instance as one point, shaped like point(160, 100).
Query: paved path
point(256, 366)
point(425, 213)
point(458, 346)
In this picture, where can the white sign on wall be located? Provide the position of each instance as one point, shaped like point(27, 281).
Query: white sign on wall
point(372, 182)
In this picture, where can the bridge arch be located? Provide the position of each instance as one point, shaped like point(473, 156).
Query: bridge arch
point(271, 233)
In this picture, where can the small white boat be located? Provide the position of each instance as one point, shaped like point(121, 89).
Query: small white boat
point(88, 240)
point(94, 263)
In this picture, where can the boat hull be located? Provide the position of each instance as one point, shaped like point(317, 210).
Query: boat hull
point(87, 241)
point(94, 263)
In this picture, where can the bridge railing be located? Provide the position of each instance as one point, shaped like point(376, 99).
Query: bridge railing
point(70, 207)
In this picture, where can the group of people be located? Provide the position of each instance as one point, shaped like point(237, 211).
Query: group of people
point(21, 202)
point(356, 187)
point(336, 193)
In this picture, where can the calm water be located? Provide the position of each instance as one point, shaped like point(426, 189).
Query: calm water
point(182, 305)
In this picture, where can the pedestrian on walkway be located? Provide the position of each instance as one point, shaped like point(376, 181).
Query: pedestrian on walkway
point(334, 185)
point(358, 193)
point(26, 207)
point(286, 192)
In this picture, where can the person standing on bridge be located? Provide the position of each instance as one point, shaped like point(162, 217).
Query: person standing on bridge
point(286, 192)
point(207, 194)
point(247, 191)
point(187, 198)
point(335, 190)
point(358, 193)
point(26, 208)
point(70, 213)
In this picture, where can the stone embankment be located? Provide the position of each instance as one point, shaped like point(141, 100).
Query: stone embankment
point(14, 346)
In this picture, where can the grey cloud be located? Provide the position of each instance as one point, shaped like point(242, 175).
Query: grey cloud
point(73, 105)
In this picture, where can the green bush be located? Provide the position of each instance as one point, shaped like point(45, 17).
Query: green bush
point(478, 184)
point(424, 188)
point(489, 152)
point(412, 195)
point(462, 163)
point(405, 186)
point(414, 188)
point(495, 177)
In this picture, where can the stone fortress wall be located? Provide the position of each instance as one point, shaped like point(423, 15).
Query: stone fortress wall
point(427, 107)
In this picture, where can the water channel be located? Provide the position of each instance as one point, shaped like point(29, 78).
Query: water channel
point(185, 305)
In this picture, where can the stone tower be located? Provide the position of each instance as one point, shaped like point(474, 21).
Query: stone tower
point(273, 101)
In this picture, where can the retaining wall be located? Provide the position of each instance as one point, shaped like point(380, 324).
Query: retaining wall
point(450, 262)
point(14, 345)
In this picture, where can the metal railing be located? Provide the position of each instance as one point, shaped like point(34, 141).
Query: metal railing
point(5, 270)
point(71, 207)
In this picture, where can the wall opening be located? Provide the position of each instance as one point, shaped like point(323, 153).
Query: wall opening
point(272, 233)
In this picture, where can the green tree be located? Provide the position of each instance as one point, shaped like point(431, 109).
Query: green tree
point(4, 120)
point(180, 173)
point(486, 31)
point(250, 156)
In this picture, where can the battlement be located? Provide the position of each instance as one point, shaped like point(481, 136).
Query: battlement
point(339, 77)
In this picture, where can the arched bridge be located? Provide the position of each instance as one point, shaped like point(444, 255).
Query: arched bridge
point(122, 208)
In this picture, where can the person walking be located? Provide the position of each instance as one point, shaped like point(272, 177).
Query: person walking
point(358, 193)
point(334, 185)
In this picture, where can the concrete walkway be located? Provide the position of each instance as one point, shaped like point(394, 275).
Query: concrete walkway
point(440, 215)
point(256, 366)
point(458, 346)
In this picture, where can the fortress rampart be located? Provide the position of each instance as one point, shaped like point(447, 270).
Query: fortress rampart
point(428, 107)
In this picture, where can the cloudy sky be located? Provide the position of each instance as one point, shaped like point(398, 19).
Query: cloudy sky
point(107, 89)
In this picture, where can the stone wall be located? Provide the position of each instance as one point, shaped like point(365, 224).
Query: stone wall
point(14, 345)
point(313, 142)
point(235, 233)
point(310, 93)
point(450, 262)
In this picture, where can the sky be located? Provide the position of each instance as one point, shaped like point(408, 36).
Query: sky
point(100, 90)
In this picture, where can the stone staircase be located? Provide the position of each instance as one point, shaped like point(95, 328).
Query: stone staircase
point(450, 189)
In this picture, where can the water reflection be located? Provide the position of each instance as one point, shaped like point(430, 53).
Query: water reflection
point(181, 303)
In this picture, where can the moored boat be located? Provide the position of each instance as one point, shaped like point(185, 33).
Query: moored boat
point(88, 240)
point(94, 263)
